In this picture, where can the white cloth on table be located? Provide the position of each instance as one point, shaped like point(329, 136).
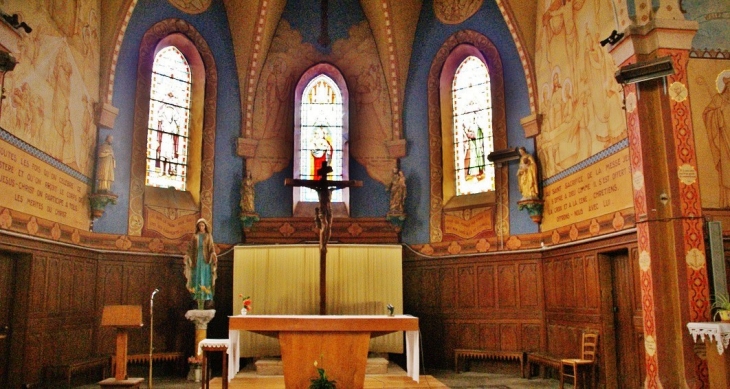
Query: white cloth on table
point(412, 355)
point(221, 343)
point(715, 331)
point(235, 353)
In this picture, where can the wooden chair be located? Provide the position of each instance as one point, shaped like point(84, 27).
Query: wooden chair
point(576, 368)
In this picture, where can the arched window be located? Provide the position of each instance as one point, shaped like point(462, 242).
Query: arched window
point(169, 120)
point(471, 99)
point(466, 90)
point(321, 128)
point(321, 133)
point(173, 143)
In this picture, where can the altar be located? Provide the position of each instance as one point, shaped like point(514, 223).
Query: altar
point(362, 279)
point(338, 343)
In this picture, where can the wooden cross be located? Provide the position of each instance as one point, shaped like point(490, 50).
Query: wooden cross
point(324, 37)
point(323, 219)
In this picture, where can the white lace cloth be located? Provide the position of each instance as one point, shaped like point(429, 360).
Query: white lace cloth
point(716, 331)
point(220, 343)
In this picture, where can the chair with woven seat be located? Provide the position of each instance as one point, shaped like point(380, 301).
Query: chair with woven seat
point(576, 368)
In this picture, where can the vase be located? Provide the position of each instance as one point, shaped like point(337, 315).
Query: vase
point(198, 374)
point(243, 311)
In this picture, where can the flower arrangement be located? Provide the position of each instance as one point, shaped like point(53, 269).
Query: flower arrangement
point(195, 361)
point(200, 293)
point(321, 382)
point(246, 302)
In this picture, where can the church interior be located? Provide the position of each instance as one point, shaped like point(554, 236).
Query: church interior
point(514, 174)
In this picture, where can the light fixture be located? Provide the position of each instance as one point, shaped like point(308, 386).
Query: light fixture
point(644, 71)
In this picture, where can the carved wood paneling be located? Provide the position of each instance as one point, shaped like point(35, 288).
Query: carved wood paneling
point(507, 286)
point(447, 282)
point(431, 289)
point(66, 290)
point(486, 286)
point(468, 335)
point(529, 282)
point(489, 336)
point(467, 287)
point(509, 337)
point(531, 337)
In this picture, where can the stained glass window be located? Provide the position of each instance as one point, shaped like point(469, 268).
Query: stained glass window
point(321, 133)
point(169, 120)
point(473, 141)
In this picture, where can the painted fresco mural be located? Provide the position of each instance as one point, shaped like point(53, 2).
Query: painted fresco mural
point(370, 113)
point(709, 84)
point(48, 110)
point(581, 148)
point(55, 84)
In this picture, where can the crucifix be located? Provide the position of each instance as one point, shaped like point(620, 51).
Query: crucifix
point(323, 219)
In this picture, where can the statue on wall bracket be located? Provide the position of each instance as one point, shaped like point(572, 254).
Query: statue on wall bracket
point(397, 188)
point(248, 214)
point(528, 184)
point(105, 165)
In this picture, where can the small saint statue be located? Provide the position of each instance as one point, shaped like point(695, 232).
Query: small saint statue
point(105, 166)
point(527, 175)
point(397, 189)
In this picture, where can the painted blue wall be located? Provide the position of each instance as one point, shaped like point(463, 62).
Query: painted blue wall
point(430, 36)
point(273, 199)
point(370, 200)
point(213, 26)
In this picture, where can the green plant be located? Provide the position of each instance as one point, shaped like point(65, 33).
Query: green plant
point(321, 381)
point(721, 303)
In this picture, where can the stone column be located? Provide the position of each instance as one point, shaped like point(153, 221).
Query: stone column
point(673, 271)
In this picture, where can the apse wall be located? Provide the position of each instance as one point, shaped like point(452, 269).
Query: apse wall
point(430, 35)
point(213, 26)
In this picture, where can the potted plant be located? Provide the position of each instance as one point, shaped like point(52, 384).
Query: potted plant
point(321, 381)
point(722, 307)
point(196, 368)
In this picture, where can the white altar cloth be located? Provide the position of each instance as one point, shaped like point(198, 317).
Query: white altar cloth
point(229, 354)
point(412, 350)
point(716, 331)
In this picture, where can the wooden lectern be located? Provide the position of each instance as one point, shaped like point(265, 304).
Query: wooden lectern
point(123, 317)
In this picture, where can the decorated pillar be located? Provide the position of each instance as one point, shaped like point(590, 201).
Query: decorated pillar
point(201, 318)
point(673, 270)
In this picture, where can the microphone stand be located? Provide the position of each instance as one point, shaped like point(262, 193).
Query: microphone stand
point(152, 320)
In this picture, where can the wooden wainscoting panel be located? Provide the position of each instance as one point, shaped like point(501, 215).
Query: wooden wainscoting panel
point(507, 286)
point(592, 282)
point(110, 284)
point(529, 284)
point(430, 294)
point(468, 334)
point(509, 337)
point(485, 286)
point(579, 284)
point(530, 338)
point(447, 283)
point(488, 336)
point(466, 287)
point(53, 285)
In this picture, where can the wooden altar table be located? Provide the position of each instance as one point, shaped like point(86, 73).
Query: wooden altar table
point(339, 344)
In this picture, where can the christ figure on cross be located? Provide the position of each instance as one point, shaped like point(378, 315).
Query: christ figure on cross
point(323, 219)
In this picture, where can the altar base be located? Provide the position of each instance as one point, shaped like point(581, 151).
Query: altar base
point(115, 383)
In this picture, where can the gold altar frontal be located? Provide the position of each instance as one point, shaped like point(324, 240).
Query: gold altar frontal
point(339, 344)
